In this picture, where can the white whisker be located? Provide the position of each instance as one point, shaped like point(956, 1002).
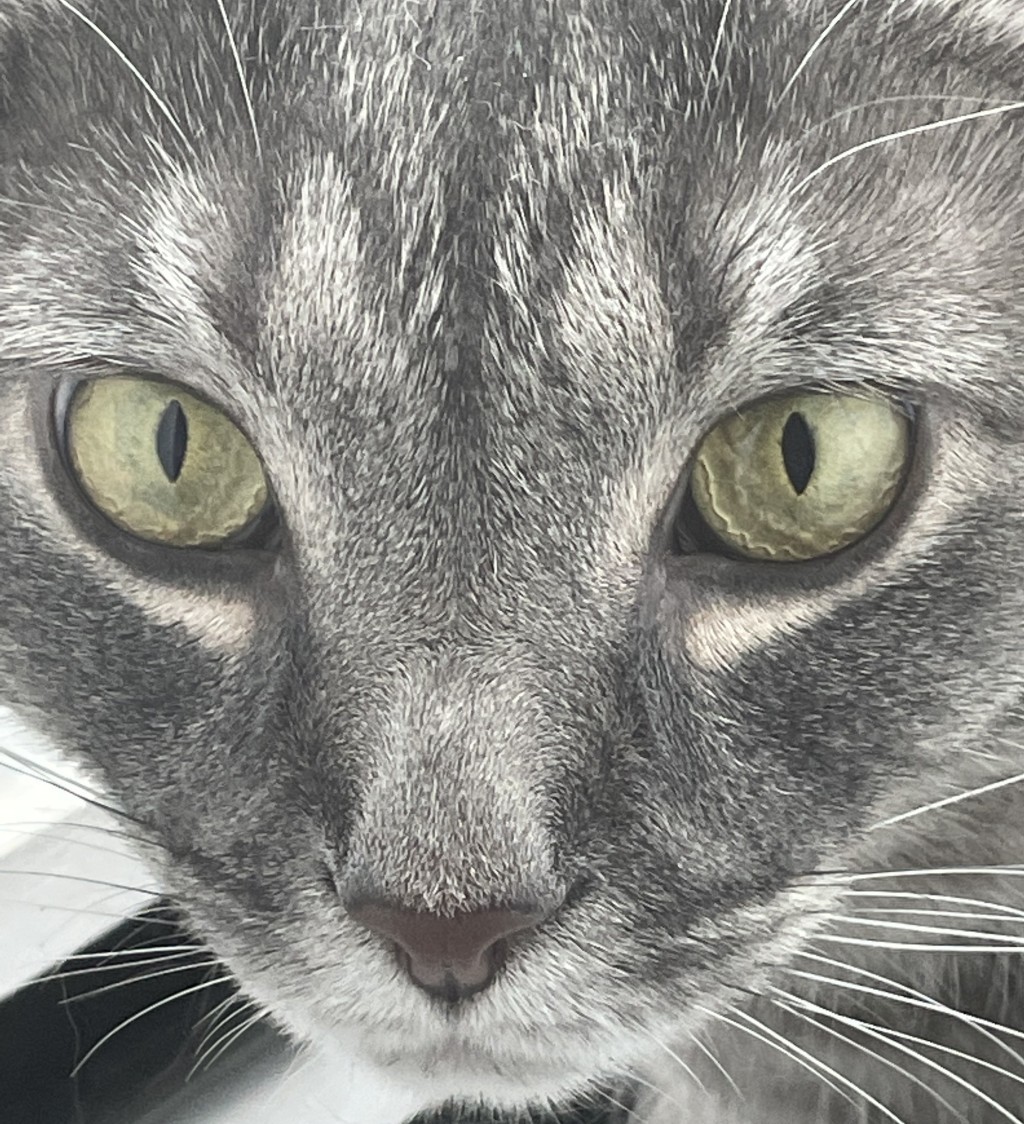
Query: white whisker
point(216, 1034)
point(23, 826)
point(663, 1095)
point(688, 1070)
point(896, 99)
point(44, 831)
point(147, 950)
point(708, 1053)
point(1011, 870)
point(948, 801)
point(910, 911)
point(95, 969)
point(142, 890)
point(83, 911)
point(240, 71)
point(776, 105)
point(225, 1042)
point(931, 1002)
point(913, 946)
point(174, 969)
point(215, 1016)
point(949, 899)
point(609, 1099)
point(864, 989)
point(937, 930)
point(903, 134)
point(902, 1034)
point(982, 754)
point(775, 1041)
point(222, 1020)
point(233, 1008)
point(86, 844)
point(905, 1073)
point(34, 770)
point(133, 1018)
point(879, 1033)
point(825, 35)
point(162, 106)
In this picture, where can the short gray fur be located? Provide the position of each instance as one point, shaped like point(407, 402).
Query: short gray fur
point(474, 278)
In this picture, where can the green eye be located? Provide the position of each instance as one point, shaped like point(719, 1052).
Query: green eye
point(161, 463)
point(794, 478)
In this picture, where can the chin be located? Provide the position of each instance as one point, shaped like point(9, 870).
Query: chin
point(450, 1067)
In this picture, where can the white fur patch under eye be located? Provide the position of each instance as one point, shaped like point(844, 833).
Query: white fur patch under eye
point(213, 621)
point(216, 623)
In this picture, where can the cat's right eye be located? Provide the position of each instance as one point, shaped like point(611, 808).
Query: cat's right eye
point(161, 463)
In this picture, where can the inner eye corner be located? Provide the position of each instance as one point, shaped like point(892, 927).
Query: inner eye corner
point(687, 533)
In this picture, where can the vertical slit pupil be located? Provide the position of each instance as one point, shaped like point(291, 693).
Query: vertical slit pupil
point(798, 452)
point(172, 440)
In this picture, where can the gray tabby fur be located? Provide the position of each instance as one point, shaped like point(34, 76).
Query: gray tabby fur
point(475, 277)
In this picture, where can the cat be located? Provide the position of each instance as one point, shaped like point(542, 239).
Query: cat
point(519, 506)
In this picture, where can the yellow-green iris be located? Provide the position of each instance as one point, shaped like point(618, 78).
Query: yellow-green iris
point(161, 463)
point(794, 478)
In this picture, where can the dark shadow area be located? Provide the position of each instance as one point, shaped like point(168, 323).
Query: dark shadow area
point(141, 976)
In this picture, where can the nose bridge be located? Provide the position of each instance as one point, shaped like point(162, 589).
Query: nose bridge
point(452, 816)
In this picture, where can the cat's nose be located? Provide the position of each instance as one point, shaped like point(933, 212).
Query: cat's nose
point(450, 957)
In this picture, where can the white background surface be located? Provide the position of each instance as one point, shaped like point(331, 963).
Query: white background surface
point(65, 875)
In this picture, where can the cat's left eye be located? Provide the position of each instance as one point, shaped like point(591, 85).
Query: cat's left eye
point(800, 476)
point(161, 463)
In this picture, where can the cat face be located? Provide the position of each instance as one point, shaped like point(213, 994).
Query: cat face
point(475, 284)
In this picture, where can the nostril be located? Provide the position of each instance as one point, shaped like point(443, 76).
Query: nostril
point(451, 957)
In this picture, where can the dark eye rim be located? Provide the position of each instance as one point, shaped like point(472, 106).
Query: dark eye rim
point(263, 533)
point(689, 535)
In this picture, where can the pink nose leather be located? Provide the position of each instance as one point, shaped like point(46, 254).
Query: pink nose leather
point(450, 957)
